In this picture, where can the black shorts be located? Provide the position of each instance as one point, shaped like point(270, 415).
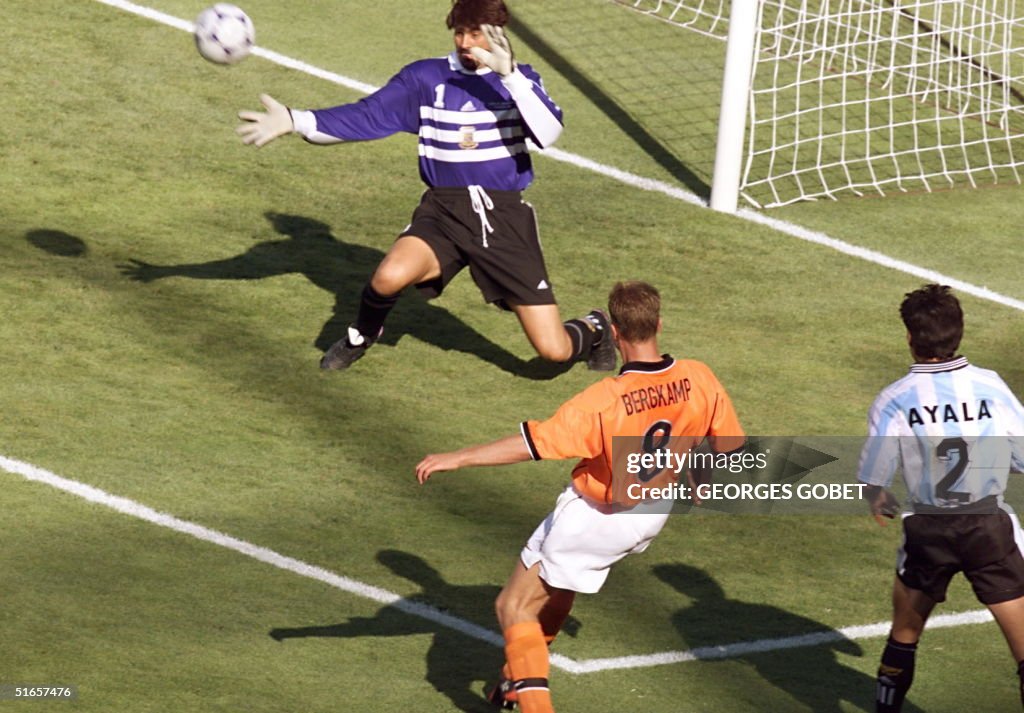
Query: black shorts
point(506, 264)
point(936, 547)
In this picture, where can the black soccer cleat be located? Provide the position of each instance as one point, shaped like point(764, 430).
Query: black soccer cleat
point(499, 695)
point(602, 355)
point(344, 352)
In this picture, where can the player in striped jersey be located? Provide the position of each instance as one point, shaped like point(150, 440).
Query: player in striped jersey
point(591, 527)
point(956, 431)
point(473, 112)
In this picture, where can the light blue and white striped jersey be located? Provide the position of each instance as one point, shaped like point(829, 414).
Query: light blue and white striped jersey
point(954, 429)
point(472, 125)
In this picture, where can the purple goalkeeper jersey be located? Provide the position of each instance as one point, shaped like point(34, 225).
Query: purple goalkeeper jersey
point(472, 130)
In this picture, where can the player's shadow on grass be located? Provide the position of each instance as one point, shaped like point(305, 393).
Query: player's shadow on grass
point(801, 661)
point(342, 269)
point(457, 662)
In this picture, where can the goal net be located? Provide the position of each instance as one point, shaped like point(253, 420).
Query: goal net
point(864, 96)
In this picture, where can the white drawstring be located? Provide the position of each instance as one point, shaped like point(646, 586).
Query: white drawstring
point(481, 204)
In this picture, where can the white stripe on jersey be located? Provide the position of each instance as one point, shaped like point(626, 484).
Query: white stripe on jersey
point(467, 118)
point(956, 431)
point(471, 155)
point(480, 136)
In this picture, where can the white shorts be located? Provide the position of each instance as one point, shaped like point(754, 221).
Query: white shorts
point(579, 541)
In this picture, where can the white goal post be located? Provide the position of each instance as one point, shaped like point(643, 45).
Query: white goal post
point(823, 98)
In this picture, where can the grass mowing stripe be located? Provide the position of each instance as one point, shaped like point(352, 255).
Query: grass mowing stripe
point(630, 179)
point(383, 596)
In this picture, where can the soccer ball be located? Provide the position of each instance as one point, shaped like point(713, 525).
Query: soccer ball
point(224, 34)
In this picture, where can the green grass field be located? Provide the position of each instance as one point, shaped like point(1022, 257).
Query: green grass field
point(166, 293)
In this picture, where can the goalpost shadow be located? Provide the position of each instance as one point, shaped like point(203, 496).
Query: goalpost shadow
point(613, 109)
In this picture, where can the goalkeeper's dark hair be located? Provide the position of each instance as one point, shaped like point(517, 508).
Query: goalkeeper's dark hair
point(473, 13)
point(635, 308)
point(934, 320)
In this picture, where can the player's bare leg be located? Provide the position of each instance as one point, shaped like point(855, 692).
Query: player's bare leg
point(543, 327)
point(523, 597)
point(409, 261)
point(910, 611)
point(553, 615)
point(1010, 617)
point(519, 607)
point(586, 338)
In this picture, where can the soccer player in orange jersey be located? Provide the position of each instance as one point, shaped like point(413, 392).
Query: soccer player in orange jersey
point(592, 525)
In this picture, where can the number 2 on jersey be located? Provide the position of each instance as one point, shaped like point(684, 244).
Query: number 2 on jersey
point(946, 451)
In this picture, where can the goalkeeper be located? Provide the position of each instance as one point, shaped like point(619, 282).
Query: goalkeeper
point(473, 112)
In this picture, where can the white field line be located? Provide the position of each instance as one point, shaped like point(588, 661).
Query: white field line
point(137, 510)
point(746, 648)
point(631, 179)
point(383, 596)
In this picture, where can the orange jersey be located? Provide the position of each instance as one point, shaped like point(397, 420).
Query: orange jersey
point(668, 397)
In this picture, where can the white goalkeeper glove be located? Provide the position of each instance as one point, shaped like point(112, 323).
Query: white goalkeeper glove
point(499, 60)
point(263, 127)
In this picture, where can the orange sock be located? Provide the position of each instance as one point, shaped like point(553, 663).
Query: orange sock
point(550, 623)
point(506, 672)
point(527, 656)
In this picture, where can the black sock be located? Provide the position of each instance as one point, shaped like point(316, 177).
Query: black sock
point(894, 676)
point(581, 334)
point(584, 333)
point(373, 310)
point(1020, 675)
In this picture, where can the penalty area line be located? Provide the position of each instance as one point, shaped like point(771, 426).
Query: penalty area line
point(377, 594)
point(630, 179)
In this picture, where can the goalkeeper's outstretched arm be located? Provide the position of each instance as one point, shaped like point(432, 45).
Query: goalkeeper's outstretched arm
point(387, 111)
